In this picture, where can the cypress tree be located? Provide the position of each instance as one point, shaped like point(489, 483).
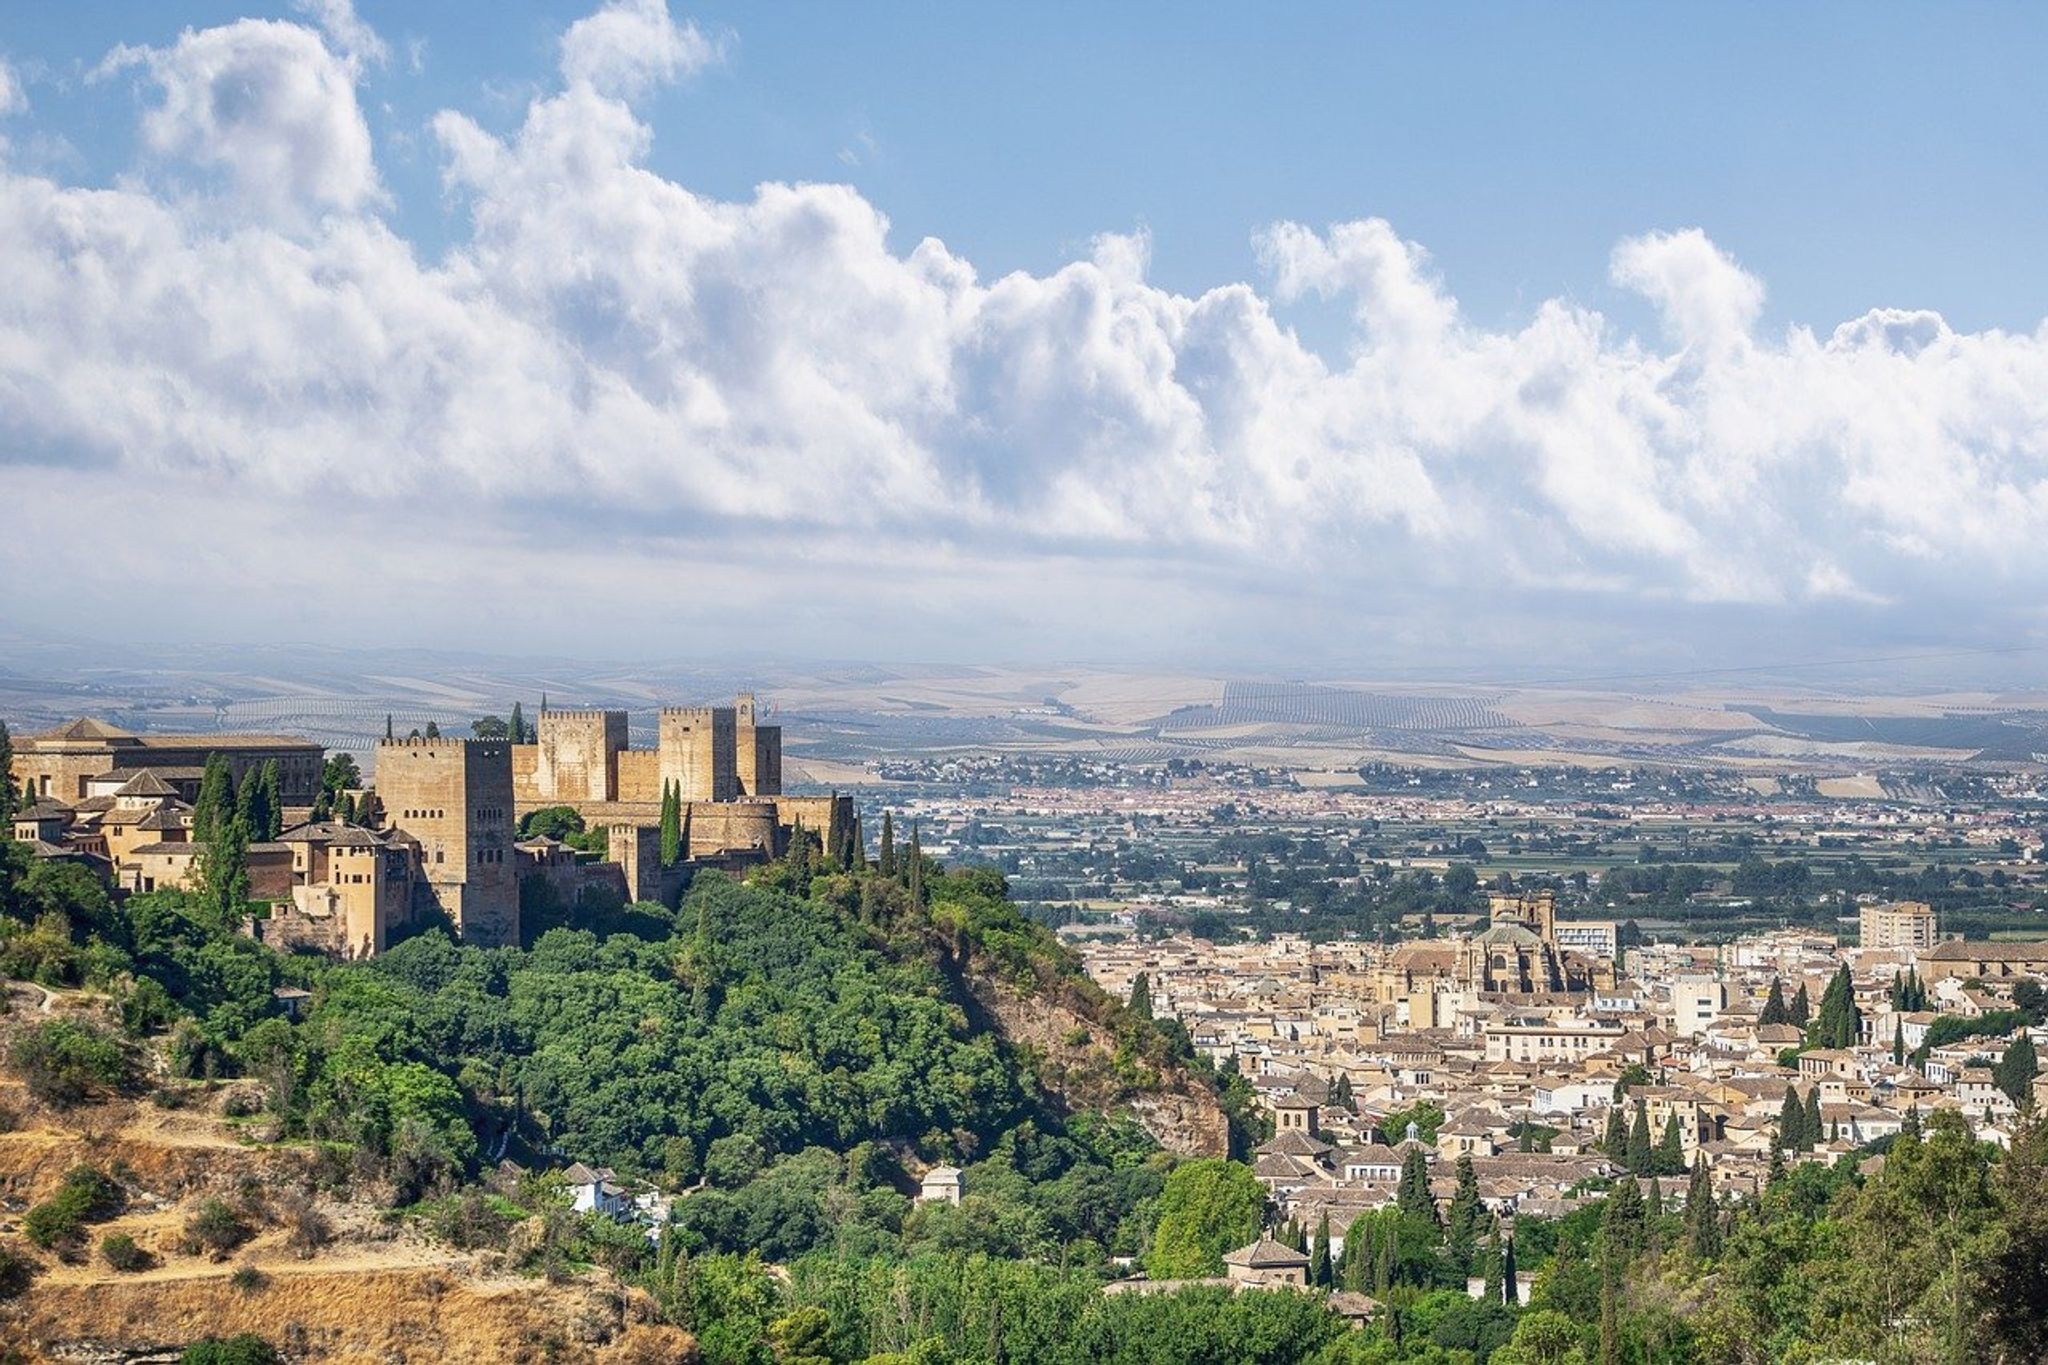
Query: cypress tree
point(517, 728)
point(216, 803)
point(1812, 1126)
point(798, 860)
point(433, 730)
point(1801, 1010)
point(1703, 1222)
point(1610, 1327)
point(1910, 1126)
point(1774, 1006)
point(916, 869)
point(671, 824)
point(1639, 1153)
point(1669, 1158)
point(1319, 1255)
point(1792, 1122)
point(1510, 1289)
point(2015, 1071)
point(273, 798)
point(1622, 1219)
point(224, 872)
point(1340, 1093)
point(1615, 1143)
point(387, 726)
point(1466, 1216)
point(1412, 1195)
point(8, 803)
point(250, 807)
point(1141, 996)
point(1358, 1255)
point(1899, 1043)
point(885, 862)
point(1489, 1258)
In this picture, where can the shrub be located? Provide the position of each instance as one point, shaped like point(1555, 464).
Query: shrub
point(120, 1252)
point(469, 1221)
point(58, 1223)
point(246, 1349)
point(248, 1278)
point(64, 1061)
point(216, 1227)
point(17, 1270)
point(306, 1228)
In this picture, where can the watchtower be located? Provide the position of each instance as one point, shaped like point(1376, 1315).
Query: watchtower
point(454, 796)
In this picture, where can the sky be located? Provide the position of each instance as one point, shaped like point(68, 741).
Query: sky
point(1291, 338)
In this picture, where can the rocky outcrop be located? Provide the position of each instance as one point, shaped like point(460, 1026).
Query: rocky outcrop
point(1074, 1049)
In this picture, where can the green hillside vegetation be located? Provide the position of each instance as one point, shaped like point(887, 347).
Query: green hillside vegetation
point(790, 1052)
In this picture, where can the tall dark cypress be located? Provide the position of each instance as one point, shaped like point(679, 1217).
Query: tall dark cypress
point(1615, 1143)
point(1703, 1219)
point(885, 863)
point(216, 803)
point(273, 799)
point(518, 726)
point(1792, 1122)
point(916, 868)
point(1639, 1150)
point(671, 824)
point(8, 803)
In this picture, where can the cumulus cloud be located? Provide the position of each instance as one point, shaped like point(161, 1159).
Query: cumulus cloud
point(269, 104)
point(630, 45)
point(345, 29)
point(13, 100)
point(609, 367)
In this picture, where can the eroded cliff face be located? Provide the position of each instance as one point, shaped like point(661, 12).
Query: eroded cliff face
point(1076, 1056)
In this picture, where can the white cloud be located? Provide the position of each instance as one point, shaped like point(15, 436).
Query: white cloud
point(346, 30)
point(269, 104)
point(630, 45)
point(13, 100)
point(611, 368)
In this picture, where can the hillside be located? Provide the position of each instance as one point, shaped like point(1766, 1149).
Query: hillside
point(784, 1059)
point(363, 1288)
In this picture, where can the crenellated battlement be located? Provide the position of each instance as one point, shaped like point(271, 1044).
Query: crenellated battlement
point(475, 746)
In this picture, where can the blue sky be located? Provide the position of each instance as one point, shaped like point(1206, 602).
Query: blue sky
point(1853, 155)
point(1558, 321)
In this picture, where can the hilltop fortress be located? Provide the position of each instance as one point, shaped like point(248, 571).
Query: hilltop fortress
point(442, 833)
point(726, 766)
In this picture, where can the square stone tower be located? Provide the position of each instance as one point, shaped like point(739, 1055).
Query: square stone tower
point(758, 750)
point(578, 755)
point(454, 796)
point(699, 751)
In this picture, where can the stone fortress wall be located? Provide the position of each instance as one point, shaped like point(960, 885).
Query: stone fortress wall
point(726, 764)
